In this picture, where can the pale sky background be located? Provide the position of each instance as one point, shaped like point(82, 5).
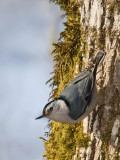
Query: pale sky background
point(27, 30)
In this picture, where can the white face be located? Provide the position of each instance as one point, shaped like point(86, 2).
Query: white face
point(57, 111)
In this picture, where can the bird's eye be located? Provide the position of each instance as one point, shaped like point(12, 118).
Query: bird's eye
point(51, 108)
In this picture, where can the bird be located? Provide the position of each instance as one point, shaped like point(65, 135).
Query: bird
point(76, 100)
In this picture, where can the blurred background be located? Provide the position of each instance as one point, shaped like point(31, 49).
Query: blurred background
point(27, 30)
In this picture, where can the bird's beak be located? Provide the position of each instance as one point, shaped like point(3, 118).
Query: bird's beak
point(39, 117)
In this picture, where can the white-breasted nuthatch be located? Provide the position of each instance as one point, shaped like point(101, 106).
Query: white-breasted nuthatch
point(75, 101)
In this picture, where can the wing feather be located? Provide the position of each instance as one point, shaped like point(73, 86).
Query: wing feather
point(79, 77)
point(77, 94)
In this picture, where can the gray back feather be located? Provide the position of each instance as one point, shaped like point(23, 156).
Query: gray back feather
point(77, 94)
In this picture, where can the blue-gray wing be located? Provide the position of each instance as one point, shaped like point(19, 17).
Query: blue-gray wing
point(78, 94)
point(80, 76)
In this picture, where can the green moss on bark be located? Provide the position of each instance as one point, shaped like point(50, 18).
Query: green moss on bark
point(67, 54)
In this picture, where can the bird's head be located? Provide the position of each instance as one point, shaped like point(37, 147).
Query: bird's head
point(55, 110)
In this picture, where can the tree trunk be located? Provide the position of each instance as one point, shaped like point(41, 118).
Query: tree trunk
point(100, 20)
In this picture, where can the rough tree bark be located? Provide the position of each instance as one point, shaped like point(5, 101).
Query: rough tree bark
point(100, 20)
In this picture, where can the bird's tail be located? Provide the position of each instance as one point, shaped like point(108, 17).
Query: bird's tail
point(98, 59)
